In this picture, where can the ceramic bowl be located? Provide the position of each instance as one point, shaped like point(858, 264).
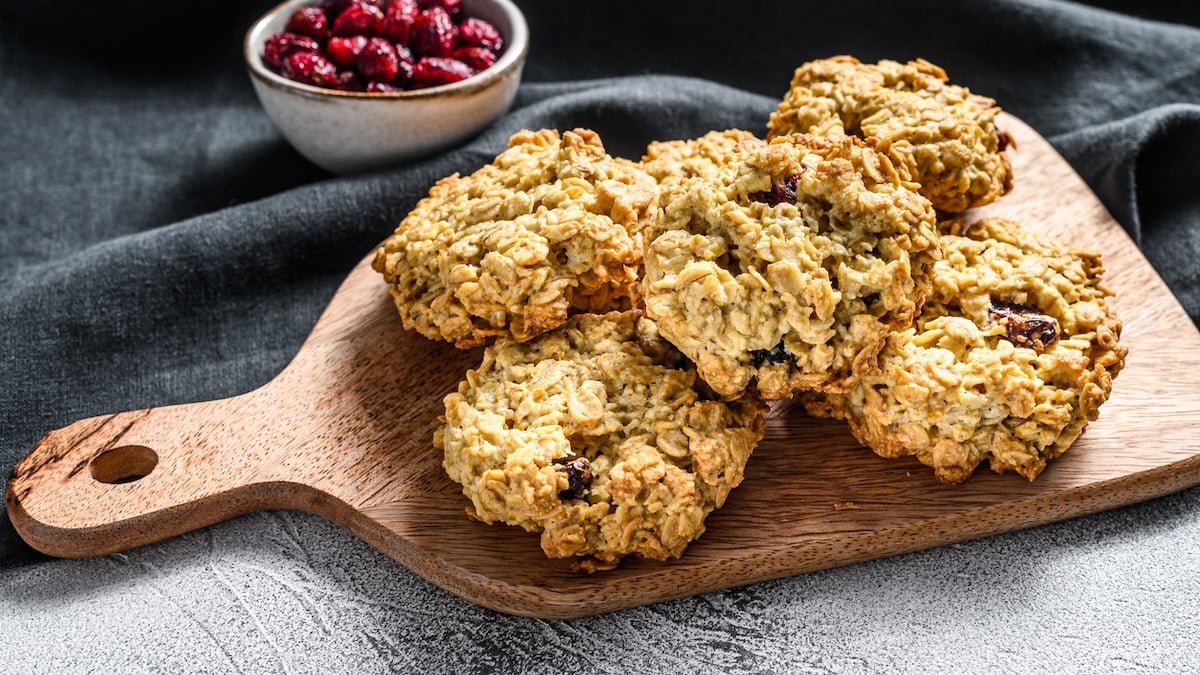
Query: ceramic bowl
point(350, 132)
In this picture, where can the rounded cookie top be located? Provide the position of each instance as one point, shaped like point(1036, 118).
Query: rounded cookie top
point(786, 269)
point(942, 133)
point(1013, 354)
point(674, 163)
point(553, 224)
point(598, 435)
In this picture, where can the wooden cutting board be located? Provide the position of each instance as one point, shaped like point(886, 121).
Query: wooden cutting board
point(345, 432)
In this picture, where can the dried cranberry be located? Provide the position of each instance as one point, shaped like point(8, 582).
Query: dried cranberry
point(344, 51)
point(452, 7)
point(434, 33)
point(479, 58)
point(398, 20)
point(377, 61)
point(579, 476)
point(779, 193)
point(279, 46)
point(475, 32)
point(310, 68)
point(1025, 326)
point(359, 19)
point(348, 80)
point(404, 53)
point(310, 21)
point(404, 78)
point(432, 71)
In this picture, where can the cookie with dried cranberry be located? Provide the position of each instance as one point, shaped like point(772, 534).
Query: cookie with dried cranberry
point(600, 436)
point(674, 163)
point(1013, 354)
point(785, 270)
point(553, 225)
point(942, 133)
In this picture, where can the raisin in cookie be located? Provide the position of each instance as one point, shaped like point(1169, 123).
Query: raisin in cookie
point(786, 269)
point(1013, 354)
point(674, 163)
point(942, 133)
point(599, 436)
point(552, 225)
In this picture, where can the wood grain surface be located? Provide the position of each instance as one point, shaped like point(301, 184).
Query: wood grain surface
point(345, 432)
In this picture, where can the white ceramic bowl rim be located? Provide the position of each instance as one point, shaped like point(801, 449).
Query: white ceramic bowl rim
point(514, 53)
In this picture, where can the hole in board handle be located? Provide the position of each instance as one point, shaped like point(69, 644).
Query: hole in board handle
point(123, 464)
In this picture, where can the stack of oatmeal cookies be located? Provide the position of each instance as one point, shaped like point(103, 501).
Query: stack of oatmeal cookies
point(639, 317)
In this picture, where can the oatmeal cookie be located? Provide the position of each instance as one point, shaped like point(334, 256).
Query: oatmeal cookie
point(599, 436)
point(786, 269)
point(552, 225)
point(1013, 354)
point(943, 134)
point(674, 163)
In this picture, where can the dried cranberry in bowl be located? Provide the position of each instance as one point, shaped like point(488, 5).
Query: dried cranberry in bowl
point(383, 45)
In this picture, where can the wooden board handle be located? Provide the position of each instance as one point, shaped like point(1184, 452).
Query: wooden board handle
point(117, 481)
point(335, 434)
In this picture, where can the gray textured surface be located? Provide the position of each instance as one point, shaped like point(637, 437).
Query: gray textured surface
point(291, 593)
